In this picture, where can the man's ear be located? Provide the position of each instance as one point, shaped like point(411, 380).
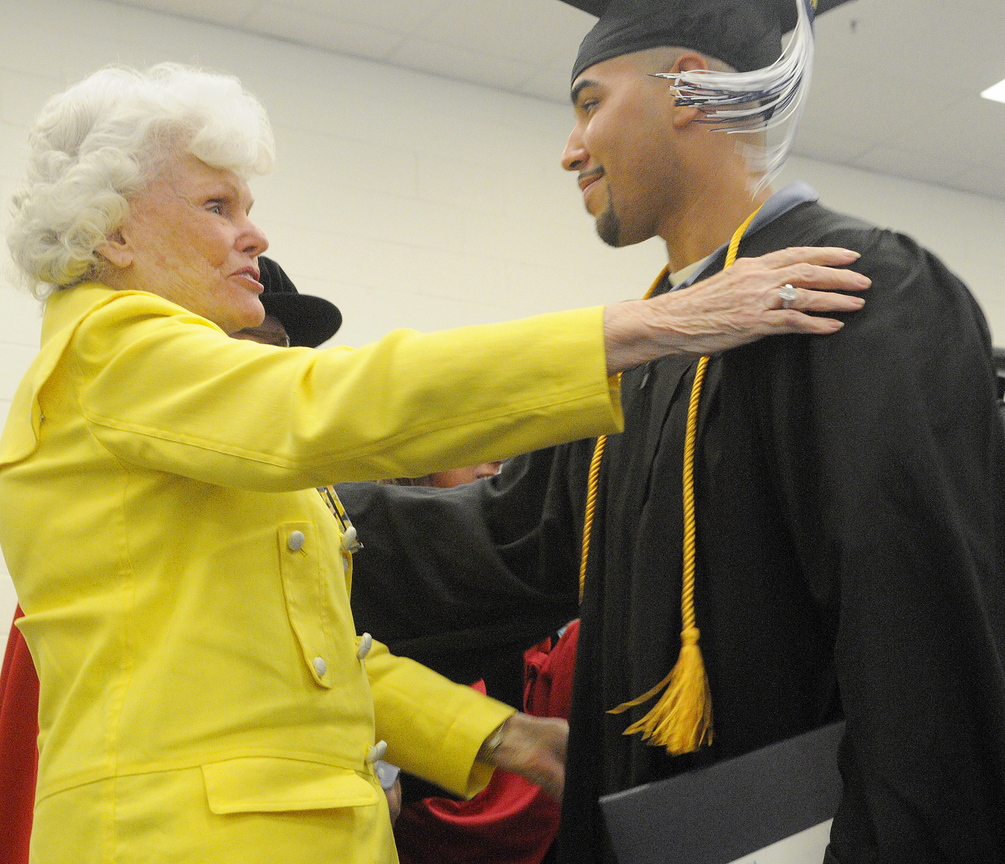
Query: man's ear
point(116, 250)
point(683, 115)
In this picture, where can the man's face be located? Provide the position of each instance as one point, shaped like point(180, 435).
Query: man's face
point(460, 476)
point(622, 148)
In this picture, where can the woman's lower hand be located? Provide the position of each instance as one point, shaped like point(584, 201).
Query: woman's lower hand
point(534, 748)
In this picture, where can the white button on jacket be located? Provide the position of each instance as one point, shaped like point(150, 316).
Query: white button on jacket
point(350, 542)
point(376, 752)
point(365, 644)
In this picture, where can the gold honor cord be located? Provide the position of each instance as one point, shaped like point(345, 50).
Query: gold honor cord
point(591, 507)
point(681, 720)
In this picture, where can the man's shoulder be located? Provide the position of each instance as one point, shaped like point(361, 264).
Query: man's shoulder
point(813, 224)
point(886, 254)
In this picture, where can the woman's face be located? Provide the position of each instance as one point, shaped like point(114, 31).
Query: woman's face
point(188, 238)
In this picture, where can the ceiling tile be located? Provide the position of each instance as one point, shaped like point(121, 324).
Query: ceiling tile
point(323, 31)
point(842, 149)
point(989, 180)
point(230, 12)
point(454, 61)
point(399, 16)
point(926, 167)
point(521, 30)
point(550, 82)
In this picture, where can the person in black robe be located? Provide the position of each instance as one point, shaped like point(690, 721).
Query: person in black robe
point(850, 515)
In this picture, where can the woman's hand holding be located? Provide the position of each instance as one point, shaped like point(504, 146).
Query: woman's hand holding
point(755, 297)
point(534, 748)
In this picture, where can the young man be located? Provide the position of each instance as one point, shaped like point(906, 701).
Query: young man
point(848, 490)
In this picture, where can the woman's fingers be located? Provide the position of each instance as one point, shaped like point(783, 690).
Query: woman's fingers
point(830, 256)
point(804, 300)
point(818, 277)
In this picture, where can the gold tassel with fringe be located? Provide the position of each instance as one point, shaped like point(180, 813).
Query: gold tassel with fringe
point(681, 721)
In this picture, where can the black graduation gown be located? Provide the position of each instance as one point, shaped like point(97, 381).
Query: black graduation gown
point(850, 514)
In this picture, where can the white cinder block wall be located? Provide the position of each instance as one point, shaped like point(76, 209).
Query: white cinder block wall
point(409, 200)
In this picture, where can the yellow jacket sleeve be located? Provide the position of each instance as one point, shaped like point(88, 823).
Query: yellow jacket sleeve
point(168, 391)
point(433, 726)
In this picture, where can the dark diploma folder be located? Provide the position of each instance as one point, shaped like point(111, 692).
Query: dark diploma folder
point(718, 814)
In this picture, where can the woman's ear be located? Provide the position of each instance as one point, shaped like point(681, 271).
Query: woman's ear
point(115, 249)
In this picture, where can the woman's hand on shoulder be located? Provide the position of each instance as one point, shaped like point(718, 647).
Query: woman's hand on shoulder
point(755, 297)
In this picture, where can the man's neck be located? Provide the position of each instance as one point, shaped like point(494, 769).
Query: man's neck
point(709, 221)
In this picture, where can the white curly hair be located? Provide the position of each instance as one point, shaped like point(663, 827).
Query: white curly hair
point(96, 145)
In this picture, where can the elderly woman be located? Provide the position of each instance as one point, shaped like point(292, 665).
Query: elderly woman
point(204, 695)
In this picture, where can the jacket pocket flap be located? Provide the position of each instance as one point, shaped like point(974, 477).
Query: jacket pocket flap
point(265, 785)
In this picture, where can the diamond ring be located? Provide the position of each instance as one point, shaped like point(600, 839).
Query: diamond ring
point(788, 294)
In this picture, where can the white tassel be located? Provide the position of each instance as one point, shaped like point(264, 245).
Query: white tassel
point(762, 100)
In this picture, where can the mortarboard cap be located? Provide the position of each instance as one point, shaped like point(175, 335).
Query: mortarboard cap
point(746, 34)
point(308, 320)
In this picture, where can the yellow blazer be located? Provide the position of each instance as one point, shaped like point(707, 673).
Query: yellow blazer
point(186, 591)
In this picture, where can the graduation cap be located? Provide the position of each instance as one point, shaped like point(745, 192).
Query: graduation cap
point(308, 320)
point(746, 34)
point(768, 88)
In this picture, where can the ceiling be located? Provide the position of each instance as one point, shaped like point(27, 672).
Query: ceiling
point(896, 84)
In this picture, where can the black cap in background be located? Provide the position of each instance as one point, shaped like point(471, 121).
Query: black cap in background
point(308, 320)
